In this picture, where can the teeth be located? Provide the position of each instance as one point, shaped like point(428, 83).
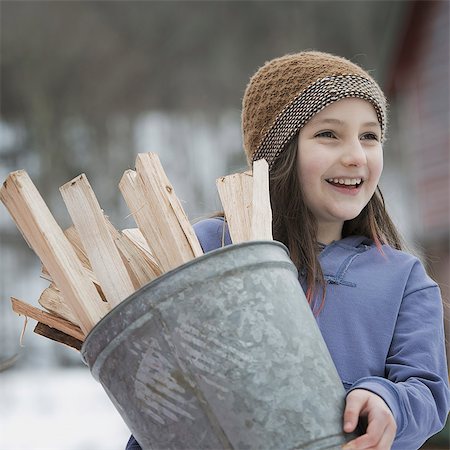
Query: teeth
point(345, 181)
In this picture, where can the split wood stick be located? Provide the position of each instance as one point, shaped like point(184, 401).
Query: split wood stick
point(46, 238)
point(236, 195)
point(71, 233)
point(136, 201)
point(141, 266)
point(57, 335)
point(261, 209)
point(92, 228)
point(52, 300)
point(88, 272)
point(136, 238)
point(158, 213)
point(170, 235)
point(73, 237)
point(46, 275)
point(24, 309)
point(135, 235)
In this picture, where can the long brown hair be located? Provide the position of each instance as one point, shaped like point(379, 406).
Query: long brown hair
point(295, 226)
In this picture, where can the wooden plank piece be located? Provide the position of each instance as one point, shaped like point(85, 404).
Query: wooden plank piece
point(71, 233)
point(57, 336)
point(236, 195)
point(88, 272)
point(92, 228)
point(158, 213)
point(73, 237)
point(141, 266)
point(170, 235)
point(135, 235)
point(52, 300)
point(24, 309)
point(136, 202)
point(261, 223)
point(44, 235)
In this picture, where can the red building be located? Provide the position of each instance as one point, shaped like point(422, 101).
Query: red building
point(418, 88)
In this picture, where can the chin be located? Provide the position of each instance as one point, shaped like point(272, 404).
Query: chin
point(345, 216)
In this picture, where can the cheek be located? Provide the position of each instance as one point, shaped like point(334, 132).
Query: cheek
point(376, 167)
point(310, 170)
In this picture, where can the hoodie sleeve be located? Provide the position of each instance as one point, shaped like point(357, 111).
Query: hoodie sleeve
point(416, 383)
point(212, 234)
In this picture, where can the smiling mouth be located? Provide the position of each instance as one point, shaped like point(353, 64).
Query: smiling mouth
point(345, 183)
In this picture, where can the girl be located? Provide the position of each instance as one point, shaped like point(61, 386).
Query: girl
point(320, 121)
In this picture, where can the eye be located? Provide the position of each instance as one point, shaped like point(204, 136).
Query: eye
point(370, 137)
point(325, 134)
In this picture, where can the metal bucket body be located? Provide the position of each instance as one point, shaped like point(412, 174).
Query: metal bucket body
point(222, 352)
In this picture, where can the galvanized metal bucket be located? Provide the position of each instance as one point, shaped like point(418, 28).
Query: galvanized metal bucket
point(221, 353)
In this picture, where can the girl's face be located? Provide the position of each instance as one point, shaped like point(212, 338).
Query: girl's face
point(340, 160)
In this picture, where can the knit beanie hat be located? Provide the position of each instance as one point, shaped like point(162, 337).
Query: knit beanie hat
point(287, 92)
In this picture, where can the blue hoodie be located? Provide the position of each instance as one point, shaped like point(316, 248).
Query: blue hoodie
point(382, 321)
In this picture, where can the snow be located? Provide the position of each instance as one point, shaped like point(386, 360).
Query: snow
point(57, 409)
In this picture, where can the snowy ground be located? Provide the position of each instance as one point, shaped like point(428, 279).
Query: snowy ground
point(57, 409)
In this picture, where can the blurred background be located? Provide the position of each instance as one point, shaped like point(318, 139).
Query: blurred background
point(86, 85)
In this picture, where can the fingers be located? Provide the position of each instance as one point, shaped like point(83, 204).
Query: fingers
point(381, 428)
point(371, 439)
point(355, 403)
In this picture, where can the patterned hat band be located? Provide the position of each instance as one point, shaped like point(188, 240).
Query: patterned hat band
point(309, 102)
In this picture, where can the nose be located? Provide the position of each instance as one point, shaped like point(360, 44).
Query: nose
point(354, 154)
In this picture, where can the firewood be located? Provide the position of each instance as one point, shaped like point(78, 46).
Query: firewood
point(140, 264)
point(93, 261)
point(245, 199)
point(261, 228)
point(158, 213)
point(57, 336)
point(236, 195)
point(92, 228)
point(135, 235)
point(52, 300)
point(48, 241)
point(136, 201)
point(24, 309)
point(46, 276)
point(72, 235)
point(173, 236)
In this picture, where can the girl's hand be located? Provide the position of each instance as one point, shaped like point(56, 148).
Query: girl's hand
point(381, 426)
